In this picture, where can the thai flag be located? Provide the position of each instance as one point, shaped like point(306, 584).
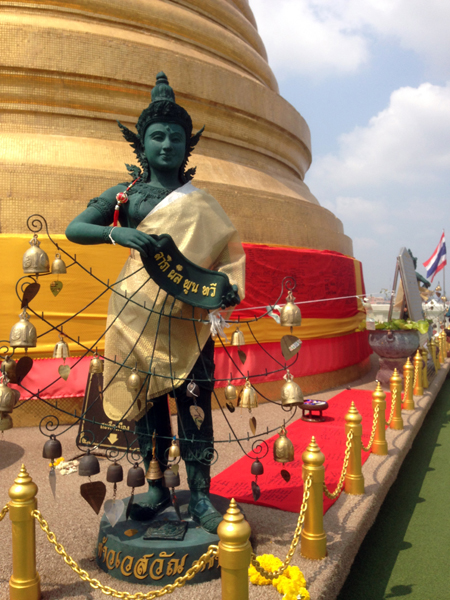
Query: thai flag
point(438, 259)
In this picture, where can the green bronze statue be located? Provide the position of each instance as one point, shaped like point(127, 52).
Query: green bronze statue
point(165, 339)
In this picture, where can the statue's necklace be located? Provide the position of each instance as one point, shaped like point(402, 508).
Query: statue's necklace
point(122, 198)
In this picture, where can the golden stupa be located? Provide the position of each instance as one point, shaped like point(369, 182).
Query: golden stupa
point(71, 70)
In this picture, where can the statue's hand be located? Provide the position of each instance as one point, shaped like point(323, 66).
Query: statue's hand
point(132, 238)
point(231, 298)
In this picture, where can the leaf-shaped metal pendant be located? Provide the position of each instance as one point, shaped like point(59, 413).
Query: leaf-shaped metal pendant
point(56, 287)
point(94, 493)
point(230, 407)
point(256, 491)
point(197, 414)
point(290, 345)
point(130, 504)
point(29, 293)
point(113, 510)
point(242, 356)
point(52, 481)
point(23, 367)
point(64, 371)
point(285, 475)
point(252, 423)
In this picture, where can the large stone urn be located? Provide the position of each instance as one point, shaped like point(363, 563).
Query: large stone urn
point(393, 348)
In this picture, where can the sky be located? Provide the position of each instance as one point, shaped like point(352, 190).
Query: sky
point(372, 80)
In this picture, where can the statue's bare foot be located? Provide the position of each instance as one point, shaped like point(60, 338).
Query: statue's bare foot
point(203, 512)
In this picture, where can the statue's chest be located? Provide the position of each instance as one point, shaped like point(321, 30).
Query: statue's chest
point(141, 203)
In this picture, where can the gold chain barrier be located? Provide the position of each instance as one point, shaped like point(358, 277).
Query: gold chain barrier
point(301, 518)
point(394, 395)
point(108, 591)
point(374, 428)
point(4, 512)
point(340, 485)
point(425, 367)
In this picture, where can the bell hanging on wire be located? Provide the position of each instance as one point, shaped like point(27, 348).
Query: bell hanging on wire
point(283, 449)
point(154, 472)
point(5, 421)
point(52, 449)
point(171, 479)
point(237, 339)
point(174, 450)
point(291, 394)
point(58, 265)
point(96, 365)
point(9, 369)
point(248, 396)
point(35, 260)
point(256, 470)
point(231, 392)
point(134, 383)
point(290, 315)
point(61, 349)
point(114, 473)
point(8, 397)
point(23, 334)
point(88, 465)
point(136, 476)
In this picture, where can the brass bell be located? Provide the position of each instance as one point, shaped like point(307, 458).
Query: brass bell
point(154, 471)
point(23, 334)
point(174, 450)
point(52, 448)
point(136, 476)
point(283, 449)
point(291, 394)
point(5, 422)
point(257, 468)
point(231, 392)
point(58, 265)
point(35, 260)
point(61, 349)
point(290, 315)
point(248, 397)
point(134, 383)
point(88, 465)
point(114, 473)
point(9, 369)
point(96, 365)
point(237, 339)
point(171, 479)
point(8, 398)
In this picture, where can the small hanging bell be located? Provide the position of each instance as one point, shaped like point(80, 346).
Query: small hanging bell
point(5, 422)
point(237, 339)
point(61, 349)
point(52, 448)
point(154, 471)
point(9, 369)
point(283, 449)
point(35, 260)
point(248, 397)
point(171, 479)
point(8, 397)
point(290, 315)
point(174, 450)
point(58, 265)
point(96, 365)
point(23, 334)
point(114, 473)
point(257, 468)
point(88, 465)
point(134, 383)
point(291, 394)
point(231, 392)
point(136, 476)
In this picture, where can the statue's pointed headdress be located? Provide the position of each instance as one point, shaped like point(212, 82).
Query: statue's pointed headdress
point(162, 109)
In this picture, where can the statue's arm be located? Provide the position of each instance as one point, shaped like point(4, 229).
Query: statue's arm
point(93, 225)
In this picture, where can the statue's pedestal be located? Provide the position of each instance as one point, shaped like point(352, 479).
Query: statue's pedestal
point(124, 554)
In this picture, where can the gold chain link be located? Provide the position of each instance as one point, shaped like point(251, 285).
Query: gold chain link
point(108, 591)
point(374, 428)
point(4, 512)
point(301, 517)
point(340, 485)
point(415, 378)
point(393, 402)
point(407, 384)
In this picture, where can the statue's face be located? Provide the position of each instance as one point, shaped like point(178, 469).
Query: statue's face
point(165, 146)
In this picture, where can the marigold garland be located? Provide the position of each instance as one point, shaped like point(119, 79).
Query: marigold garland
point(291, 583)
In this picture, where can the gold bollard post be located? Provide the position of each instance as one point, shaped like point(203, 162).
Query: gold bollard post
point(354, 479)
point(425, 368)
point(25, 582)
point(313, 538)
point(408, 372)
point(442, 347)
point(234, 553)
point(433, 352)
point(379, 445)
point(395, 383)
point(418, 368)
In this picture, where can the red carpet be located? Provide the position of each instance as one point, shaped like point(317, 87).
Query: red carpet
point(235, 482)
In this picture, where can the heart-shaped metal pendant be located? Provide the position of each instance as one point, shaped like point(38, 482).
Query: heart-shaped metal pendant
point(256, 491)
point(94, 493)
point(113, 510)
point(23, 367)
point(252, 423)
point(290, 345)
point(56, 287)
point(64, 371)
